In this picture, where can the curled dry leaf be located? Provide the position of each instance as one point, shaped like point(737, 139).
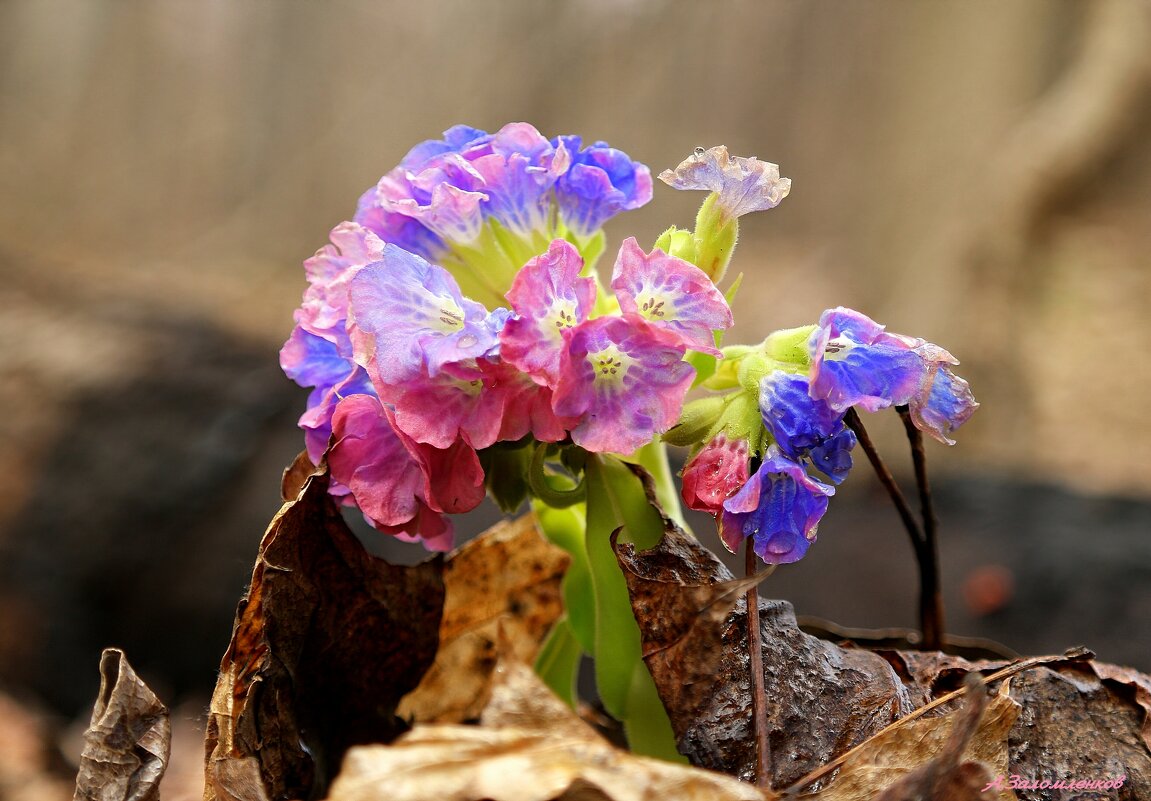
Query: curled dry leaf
point(1075, 726)
point(326, 642)
point(1138, 684)
point(506, 579)
point(531, 747)
point(127, 744)
point(825, 699)
point(944, 758)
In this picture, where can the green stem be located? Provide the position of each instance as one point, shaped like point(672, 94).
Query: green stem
point(558, 661)
point(653, 458)
point(616, 502)
point(565, 528)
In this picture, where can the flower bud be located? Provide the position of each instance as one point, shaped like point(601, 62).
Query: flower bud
point(698, 418)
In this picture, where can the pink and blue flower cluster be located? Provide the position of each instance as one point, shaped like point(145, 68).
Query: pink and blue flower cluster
point(412, 374)
point(805, 447)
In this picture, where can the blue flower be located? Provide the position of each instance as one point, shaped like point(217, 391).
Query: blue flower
point(855, 362)
point(779, 509)
point(804, 428)
point(944, 401)
point(600, 183)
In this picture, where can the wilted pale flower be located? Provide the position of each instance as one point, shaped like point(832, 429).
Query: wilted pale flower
point(743, 185)
point(944, 401)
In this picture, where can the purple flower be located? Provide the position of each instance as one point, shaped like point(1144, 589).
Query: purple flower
point(804, 428)
point(549, 298)
point(314, 362)
point(325, 306)
point(408, 317)
point(519, 174)
point(457, 139)
point(451, 187)
point(854, 362)
point(624, 380)
point(671, 294)
point(600, 183)
point(744, 185)
point(779, 508)
point(944, 401)
point(318, 354)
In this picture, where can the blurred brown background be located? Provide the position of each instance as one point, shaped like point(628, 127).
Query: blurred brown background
point(977, 173)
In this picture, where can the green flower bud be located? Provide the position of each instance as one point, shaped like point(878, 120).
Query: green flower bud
point(698, 418)
point(789, 347)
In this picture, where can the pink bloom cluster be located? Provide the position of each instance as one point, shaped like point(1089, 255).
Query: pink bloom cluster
point(412, 378)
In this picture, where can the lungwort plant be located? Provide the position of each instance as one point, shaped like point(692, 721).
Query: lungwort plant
point(469, 332)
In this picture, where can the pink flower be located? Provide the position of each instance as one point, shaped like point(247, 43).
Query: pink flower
point(671, 294)
point(716, 473)
point(624, 380)
point(549, 298)
point(400, 486)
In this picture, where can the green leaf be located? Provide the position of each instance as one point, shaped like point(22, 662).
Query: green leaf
point(558, 661)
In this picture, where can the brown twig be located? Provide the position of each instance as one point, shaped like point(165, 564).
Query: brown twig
point(931, 598)
point(758, 692)
point(851, 419)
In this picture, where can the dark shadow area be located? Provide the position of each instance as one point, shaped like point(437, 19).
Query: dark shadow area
point(145, 517)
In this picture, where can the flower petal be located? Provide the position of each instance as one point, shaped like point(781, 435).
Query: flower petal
point(944, 403)
point(600, 183)
point(806, 429)
point(855, 362)
point(408, 316)
point(779, 509)
point(716, 473)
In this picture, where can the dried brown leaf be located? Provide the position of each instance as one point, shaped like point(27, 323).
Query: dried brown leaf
point(127, 744)
point(295, 476)
point(1075, 726)
point(507, 578)
point(530, 748)
point(682, 612)
point(326, 642)
point(939, 758)
point(824, 699)
point(1139, 684)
